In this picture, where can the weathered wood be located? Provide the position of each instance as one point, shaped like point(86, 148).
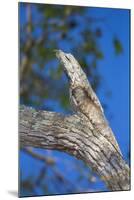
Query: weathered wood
point(85, 135)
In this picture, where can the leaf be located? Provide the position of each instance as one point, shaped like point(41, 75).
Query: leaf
point(117, 46)
point(64, 101)
point(83, 63)
point(59, 71)
point(94, 63)
point(99, 55)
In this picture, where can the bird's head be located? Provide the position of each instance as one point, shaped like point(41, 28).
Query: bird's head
point(71, 66)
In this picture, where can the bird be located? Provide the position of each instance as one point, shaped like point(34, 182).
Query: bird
point(83, 99)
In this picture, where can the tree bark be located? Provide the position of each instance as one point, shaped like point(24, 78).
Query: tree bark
point(85, 135)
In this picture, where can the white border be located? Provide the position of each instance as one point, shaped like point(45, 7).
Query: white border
point(9, 97)
point(94, 3)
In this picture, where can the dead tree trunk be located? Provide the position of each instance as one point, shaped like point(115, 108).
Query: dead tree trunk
point(85, 135)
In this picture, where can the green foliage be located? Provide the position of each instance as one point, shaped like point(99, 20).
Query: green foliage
point(52, 27)
point(117, 46)
point(99, 55)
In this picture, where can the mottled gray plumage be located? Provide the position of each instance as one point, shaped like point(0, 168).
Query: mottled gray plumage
point(76, 75)
point(83, 98)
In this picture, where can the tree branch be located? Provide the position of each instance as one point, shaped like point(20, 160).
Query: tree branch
point(85, 135)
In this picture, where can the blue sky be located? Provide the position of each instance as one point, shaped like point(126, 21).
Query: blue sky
point(115, 72)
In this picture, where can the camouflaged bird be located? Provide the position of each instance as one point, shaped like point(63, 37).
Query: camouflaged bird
point(83, 98)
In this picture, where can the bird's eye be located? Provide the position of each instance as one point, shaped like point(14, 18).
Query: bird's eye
point(67, 58)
